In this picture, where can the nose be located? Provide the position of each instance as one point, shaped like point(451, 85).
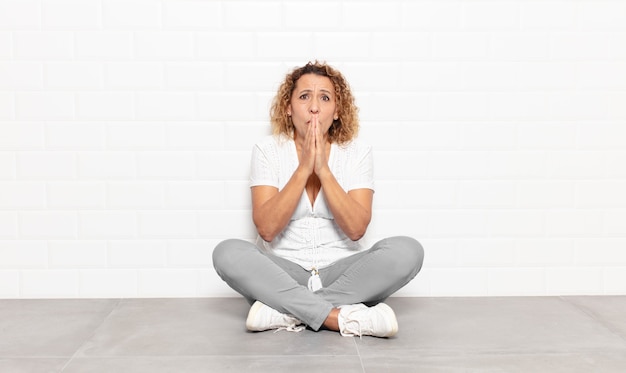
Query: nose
point(314, 108)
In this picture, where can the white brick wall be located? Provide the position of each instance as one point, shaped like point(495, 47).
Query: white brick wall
point(499, 130)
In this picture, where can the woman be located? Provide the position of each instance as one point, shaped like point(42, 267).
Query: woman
point(312, 187)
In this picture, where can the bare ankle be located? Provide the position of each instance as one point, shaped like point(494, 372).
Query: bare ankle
point(332, 320)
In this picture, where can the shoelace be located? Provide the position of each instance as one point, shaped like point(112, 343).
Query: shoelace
point(291, 328)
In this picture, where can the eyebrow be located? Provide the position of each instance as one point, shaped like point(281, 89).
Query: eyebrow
point(306, 90)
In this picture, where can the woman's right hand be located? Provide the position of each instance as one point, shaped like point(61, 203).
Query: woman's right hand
point(308, 151)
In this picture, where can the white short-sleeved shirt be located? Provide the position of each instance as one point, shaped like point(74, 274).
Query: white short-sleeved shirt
point(311, 239)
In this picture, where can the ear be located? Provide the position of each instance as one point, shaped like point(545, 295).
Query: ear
point(289, 110)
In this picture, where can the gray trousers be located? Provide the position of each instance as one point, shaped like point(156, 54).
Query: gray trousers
point(368, 277)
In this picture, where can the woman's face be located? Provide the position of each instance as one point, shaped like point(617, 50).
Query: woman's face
point(313, 95)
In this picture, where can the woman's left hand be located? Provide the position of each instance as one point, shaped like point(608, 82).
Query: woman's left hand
point(321, 158)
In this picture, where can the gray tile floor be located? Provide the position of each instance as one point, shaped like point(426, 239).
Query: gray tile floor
point(516, 334)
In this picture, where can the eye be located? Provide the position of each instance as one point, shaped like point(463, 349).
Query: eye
point(304, 96)
point(325, 98)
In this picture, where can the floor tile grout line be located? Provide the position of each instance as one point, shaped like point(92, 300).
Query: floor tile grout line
point(91, 335)
point(595, 317)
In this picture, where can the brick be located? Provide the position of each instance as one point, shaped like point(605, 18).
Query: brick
point(547, 136)
point(431, 15)
point(574, 223)
point(516, 223)
point(615, 280)
point(329, 46)
point(517, 165)
point(579, 46)
point(467, 106)
point(48, 225)
point(49, 283)
point(159, 45)
point(198, 195)
point(544, 252)
point(167, 224)
point(135, 195)
point(457, 223)
point(23, 254)
point(563, 281)
point(71, 14)
point(395, 106)
point(190, 253)
point(272, 46)
point(21, 76)
point(133, 75)
point(460, 46)
point(201, 136)
point(168, 282)
point(487, 194)
point(600, 194)
point(577, 165)
point(549, 15)
point(194, 75)
point(9, 284)
point(136, 254)
point(242, 136)
point(517, 282)
point(22, 136)
point(77, 254)
point(107, 165)
point(103, 45)
point(222, 106)
point(75, 136)
point(167, 165)
point(371, 15)
point(225, 45)
point(386, 46)
point(46, 165)
point(105, 105)
point(548, 75)
point(325, 17)
point(195, 15)
point(7, 106)
point(479, 136)
point(130, 135)
point(445, 281)
point(222, 224)
point(615, 222)
point(7, 166)
point(491, 16)
point(6, 44)
point(601, 136)
point(45, 105)
point(22, 195)
point(211, 167)
point(238, 195)
point(131, 14)
point(165, 105)
point(249, 15)
point(252, 76)
point(546, 194)
point(602, 16)
point(76, 195)
point(43, 45)
point(107, 224)
point(20, 14)
point(490, 252)
point(600, 252)
point(108, 283)
point(73, 75)
point(520, 46)
point(8, 225)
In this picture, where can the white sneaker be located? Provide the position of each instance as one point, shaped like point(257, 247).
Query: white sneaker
point(262, 317)
point(358, 319)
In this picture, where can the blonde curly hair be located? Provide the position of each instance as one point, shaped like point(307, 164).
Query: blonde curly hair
point(343, 129)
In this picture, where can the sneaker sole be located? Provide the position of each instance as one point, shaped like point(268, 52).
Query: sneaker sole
point(251, 316)
point(390, 315)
